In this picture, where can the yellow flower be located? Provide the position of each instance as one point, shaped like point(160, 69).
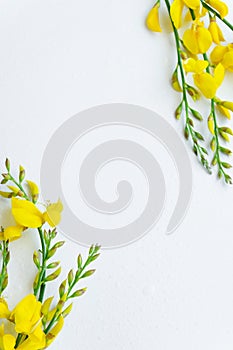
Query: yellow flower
point(177, 8)
point(26, 315)
point(4, 310)
point(215, 31)
point(36, 340)
point(7, 341)
point(195, 66)
point(207, 83)
point(26, 213)
point(224, 55)
point(152, 20)
point(53, 213)
point(197, 39)
point(220, 6)
point(11, 233)
point(34, 190)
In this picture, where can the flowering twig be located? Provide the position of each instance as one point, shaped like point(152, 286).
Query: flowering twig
point(207, 68)
point(37, 322)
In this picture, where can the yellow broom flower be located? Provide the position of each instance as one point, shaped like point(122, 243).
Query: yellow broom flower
point(224, 55)
point(4, 310)
point(53, 213)
point(215, 31)
point(26, 314)
point(26, 213)
point(177, 9)
point(220, 6)
point(11, 233)
point(197, 39)
point(207, 83)
point(152, 20)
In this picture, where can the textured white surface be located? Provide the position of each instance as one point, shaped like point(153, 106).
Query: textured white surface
point(59, 57)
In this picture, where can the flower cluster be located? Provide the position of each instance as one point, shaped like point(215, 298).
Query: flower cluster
point(203, 56)
point(36, 321)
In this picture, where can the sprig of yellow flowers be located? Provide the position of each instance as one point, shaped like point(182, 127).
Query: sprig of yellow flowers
point(36, 321)
point(202, 52)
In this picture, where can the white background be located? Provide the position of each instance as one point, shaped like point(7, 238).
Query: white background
point(162, 292)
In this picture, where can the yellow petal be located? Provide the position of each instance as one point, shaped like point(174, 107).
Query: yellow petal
point(8, 342)
point(220, 6)
point(26, 213)
point(219, 73)
point(200, 66)
point(189, 65)
point(227, 61)
point(211, 124)
point(34, 189)
point(176, 12)
point(215, 32)
point(152, 20)
point(228, 105)
point(4, 310)
point(206, 84)
point(192, 4)
point(26, 314)
point(190, 41)
point(224, 111)
point(218, 53)
point(53, 213)
point(12, 232)
point(204, 39)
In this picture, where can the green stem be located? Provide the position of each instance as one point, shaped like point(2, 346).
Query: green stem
point(209, 8)
point(40, 288)
point(216, 132)
point(19, 186)
point(3, 274)
point(185, 99)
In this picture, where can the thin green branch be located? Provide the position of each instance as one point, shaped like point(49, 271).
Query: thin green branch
point(211, 9)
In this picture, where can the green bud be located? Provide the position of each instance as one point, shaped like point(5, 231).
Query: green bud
point(79, 261)
point(78, 293)
point(196, 114)
point(88, 273)
point(226, 165)
point(7, 164)
point(59, 244)
point(67, 310)
point(178, 111)
point(186, 133)
point(53, 275)
point(62, 288)
point(70, 277)
point(5, 283)
point(51, 252)
point(21, 173)
point(53, 265)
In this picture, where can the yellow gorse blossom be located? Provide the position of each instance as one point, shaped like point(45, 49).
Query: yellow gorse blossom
point(206, 83)
point(215, 31)
point(26, 214)
point(177, 9)
point(197, 39)
point(35, 323)
point(223, 54)
point(152, 20)
point(220, 6)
